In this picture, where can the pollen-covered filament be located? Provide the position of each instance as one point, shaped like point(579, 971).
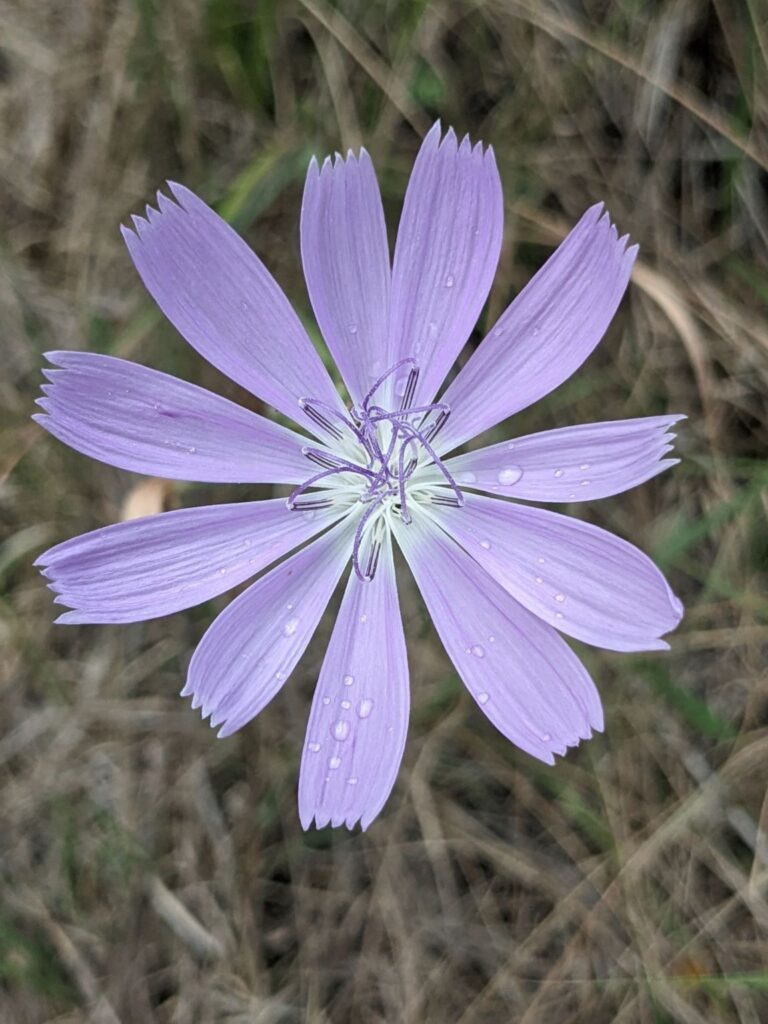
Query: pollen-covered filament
point(372, 464)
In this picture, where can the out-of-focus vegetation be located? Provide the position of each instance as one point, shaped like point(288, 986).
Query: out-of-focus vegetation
point(151, 873)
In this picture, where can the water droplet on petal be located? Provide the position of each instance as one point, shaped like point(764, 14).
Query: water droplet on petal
point(466, 478)
point(584, 465)
point(510, 445)
point(326, 701)
point(290, 627)
point(486, 544)
point(349, 680)
point(334, 763)
point(346, 705)
point(246, 543)
point(539, 579)
point(585, 483)
point(559, 598)
point(352, 781)
point(314, 747)
point(353, 328)
point(510, 475)
point(364, 708)
point(478, 650)
point(483, 698)
point(491, 639)
point(340, 729)
point(558, 615)
point(450, 281)
point(559, 473)
point(540, 561)
point(363, 617)
point(546, 737)
point(222, 572)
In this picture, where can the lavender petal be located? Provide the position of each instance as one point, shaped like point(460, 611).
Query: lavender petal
point(581, 463)
point(359, 718)
point(583, 580)
point(250, 650)
point(522, 675)
point(221, 298)
point(546, 333)
point(160, 564)
point(346, 265)
point(448, 246)
point(149, 422)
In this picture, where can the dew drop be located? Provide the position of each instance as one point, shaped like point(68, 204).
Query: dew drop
point(326, 701)
point(364, 708)
point(559, 598)
point(363, 617)
point(334, 763)
point(192, 451)
point(536, 330)
point(539, 579)
point(510, 475)
point(348, 680)
point(559, 473)
point(353, 328)
point(246, 543)
point(346, 705)
point(352, 781)
point(585, 483)
point(467, 478)
point(450, 281)
point(558, 615)
point(478, 650)
point(486, 544)
point(279, 676)
point(491, 639)
point(483, 698)
point(290, 627)
point(222, 572)
point(289, 607)
point(571, 495)
point(546, 736)
point(340, 729)
point(540, 561)
point(498, 332)
point(510, 446)
point(314, 747)
point(584, 465)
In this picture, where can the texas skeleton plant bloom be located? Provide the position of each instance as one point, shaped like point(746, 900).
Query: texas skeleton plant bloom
point(499, 578)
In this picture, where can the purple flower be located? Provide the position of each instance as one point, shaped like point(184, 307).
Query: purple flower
point(499, 578)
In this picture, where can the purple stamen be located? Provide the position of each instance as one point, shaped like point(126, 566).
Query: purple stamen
point(390, 466)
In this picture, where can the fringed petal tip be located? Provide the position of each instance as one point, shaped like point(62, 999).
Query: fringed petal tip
point(322, 819)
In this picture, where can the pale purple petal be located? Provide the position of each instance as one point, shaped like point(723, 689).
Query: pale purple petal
point(253, 646)
point(346, 265)
point(585, 581)
point(359, 718)
point(149, 422)
point(221, 298)
point(521, 674)
point(448, 246)
point(546, 333)
point(160, 564)
point(579, 463)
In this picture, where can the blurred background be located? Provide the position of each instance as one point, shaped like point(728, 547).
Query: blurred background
point(151, 873)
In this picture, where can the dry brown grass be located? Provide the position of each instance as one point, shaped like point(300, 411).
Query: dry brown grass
point(154, 875)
